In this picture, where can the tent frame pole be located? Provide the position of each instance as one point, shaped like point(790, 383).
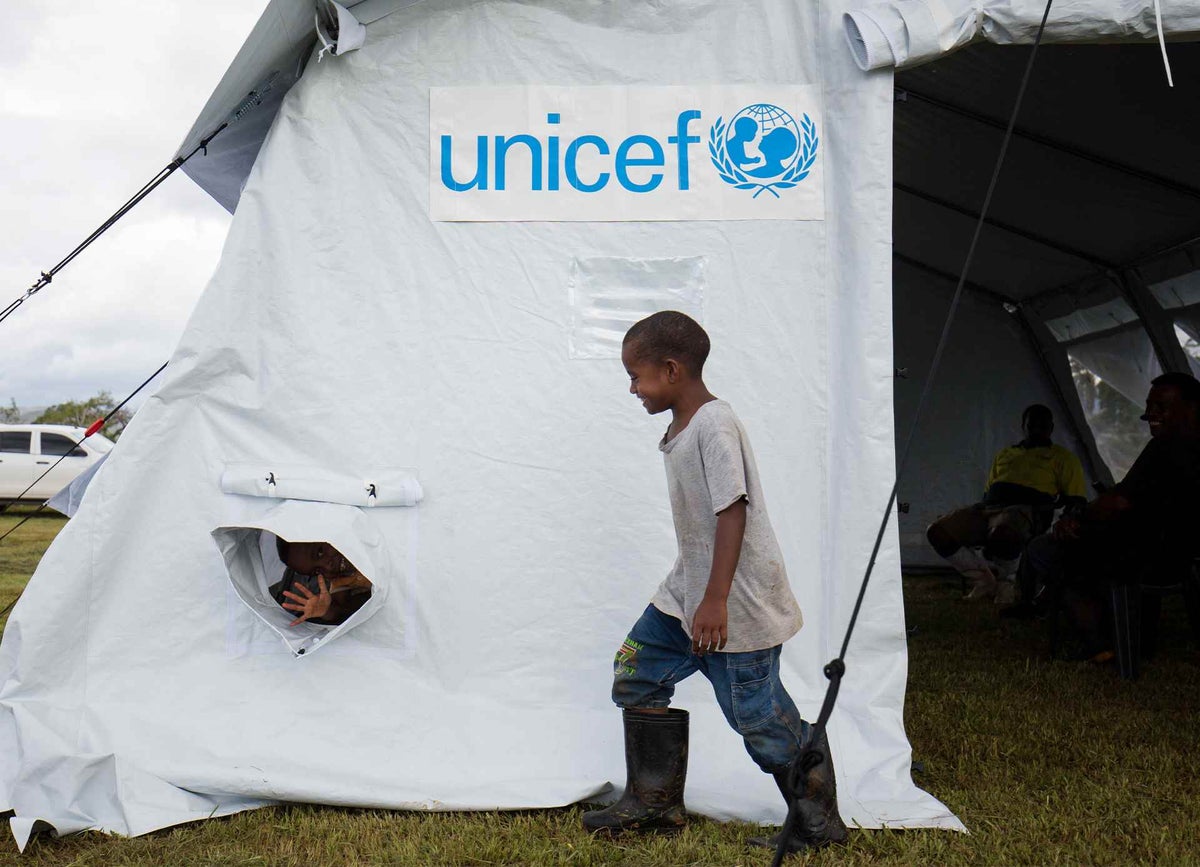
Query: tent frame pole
point(977, 288)
point(1053, 359)
point(903, 94)
point(1158, 323)
point(1057, 367)
point(1040, 240)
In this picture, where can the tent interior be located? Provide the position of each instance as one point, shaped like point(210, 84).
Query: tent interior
point(1088, 260)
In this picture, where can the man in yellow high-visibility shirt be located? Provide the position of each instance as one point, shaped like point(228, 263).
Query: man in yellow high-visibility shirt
point(1027, 480)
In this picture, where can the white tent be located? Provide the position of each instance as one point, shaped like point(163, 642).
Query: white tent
point(425, 376)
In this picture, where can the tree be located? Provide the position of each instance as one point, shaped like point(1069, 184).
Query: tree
point(10, 414)
point(83, 413)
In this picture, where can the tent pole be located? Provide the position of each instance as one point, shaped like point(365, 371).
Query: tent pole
point(1187, 247)
point(904, 94)
point(1052, 356)
point(1057, 367)
point(1040, 240)
point(1159, 325)
point(977, 288)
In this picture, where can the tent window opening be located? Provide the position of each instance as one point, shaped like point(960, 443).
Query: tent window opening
point(1115, 420)
point(1188, 335)
point(1113, 361)
point(319, 585)
point(307, 557)
point(308, 591)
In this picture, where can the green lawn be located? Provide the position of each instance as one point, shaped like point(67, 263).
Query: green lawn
point(20, 552)
point(1046, 762)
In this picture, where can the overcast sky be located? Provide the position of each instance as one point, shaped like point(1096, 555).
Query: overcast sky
point(94, 99)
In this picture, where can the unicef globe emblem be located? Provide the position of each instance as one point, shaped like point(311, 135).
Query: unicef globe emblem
point(763, 148)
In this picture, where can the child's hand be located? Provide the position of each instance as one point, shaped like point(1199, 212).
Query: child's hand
point(710, 628)
point(310, 604)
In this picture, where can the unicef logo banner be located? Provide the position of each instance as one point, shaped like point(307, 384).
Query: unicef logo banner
point(625, 153)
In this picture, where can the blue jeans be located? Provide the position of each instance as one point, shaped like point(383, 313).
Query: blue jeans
point(658, 654)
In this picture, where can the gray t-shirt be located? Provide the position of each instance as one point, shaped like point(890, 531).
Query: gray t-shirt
point(710, 467)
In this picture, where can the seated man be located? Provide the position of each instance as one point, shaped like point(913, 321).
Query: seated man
point(1032, 475)
point(1149, 517)
point(320, 585)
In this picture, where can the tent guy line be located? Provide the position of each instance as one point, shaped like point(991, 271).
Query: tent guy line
point(901, 464)
point(835, 670)
point(96, 426)
point(47, 277)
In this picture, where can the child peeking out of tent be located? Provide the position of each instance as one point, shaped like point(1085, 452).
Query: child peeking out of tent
point(724, 610)
point(320, 585)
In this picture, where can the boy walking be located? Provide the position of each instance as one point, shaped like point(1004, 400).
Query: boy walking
point(724, 609)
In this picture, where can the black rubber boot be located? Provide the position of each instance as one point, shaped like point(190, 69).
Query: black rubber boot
point(656, 747)
point(818, 822)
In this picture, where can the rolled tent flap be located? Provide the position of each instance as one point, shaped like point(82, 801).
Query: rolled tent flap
point(387, 487)
point(907, 33)
point(338, 29)
point(903, 33)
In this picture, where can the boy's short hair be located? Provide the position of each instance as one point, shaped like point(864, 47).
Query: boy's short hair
point(282, 547)
point(670, 334)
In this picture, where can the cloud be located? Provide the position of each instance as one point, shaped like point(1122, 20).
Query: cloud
point(96, 98)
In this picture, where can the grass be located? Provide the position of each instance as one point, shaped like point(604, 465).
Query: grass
point(20, 552)
point(1047, 762)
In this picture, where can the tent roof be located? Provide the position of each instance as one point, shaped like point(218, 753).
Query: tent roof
point(1096, 179)
point(252, 89)
point(1100, 176)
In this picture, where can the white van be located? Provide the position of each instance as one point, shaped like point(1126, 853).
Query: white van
point(29, 450)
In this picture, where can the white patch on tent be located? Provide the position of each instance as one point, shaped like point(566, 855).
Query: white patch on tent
point(609, 294)
point(257, 624)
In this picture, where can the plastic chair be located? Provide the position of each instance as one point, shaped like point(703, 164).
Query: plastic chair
point(1137, 606)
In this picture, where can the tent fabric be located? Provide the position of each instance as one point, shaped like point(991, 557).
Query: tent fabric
point(904, 33)
point(345, 329)
point(1099, 177)
point(250, 93)
point(1126, 361)
point(67, 500)
point(948, 114)
point(247, 99)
